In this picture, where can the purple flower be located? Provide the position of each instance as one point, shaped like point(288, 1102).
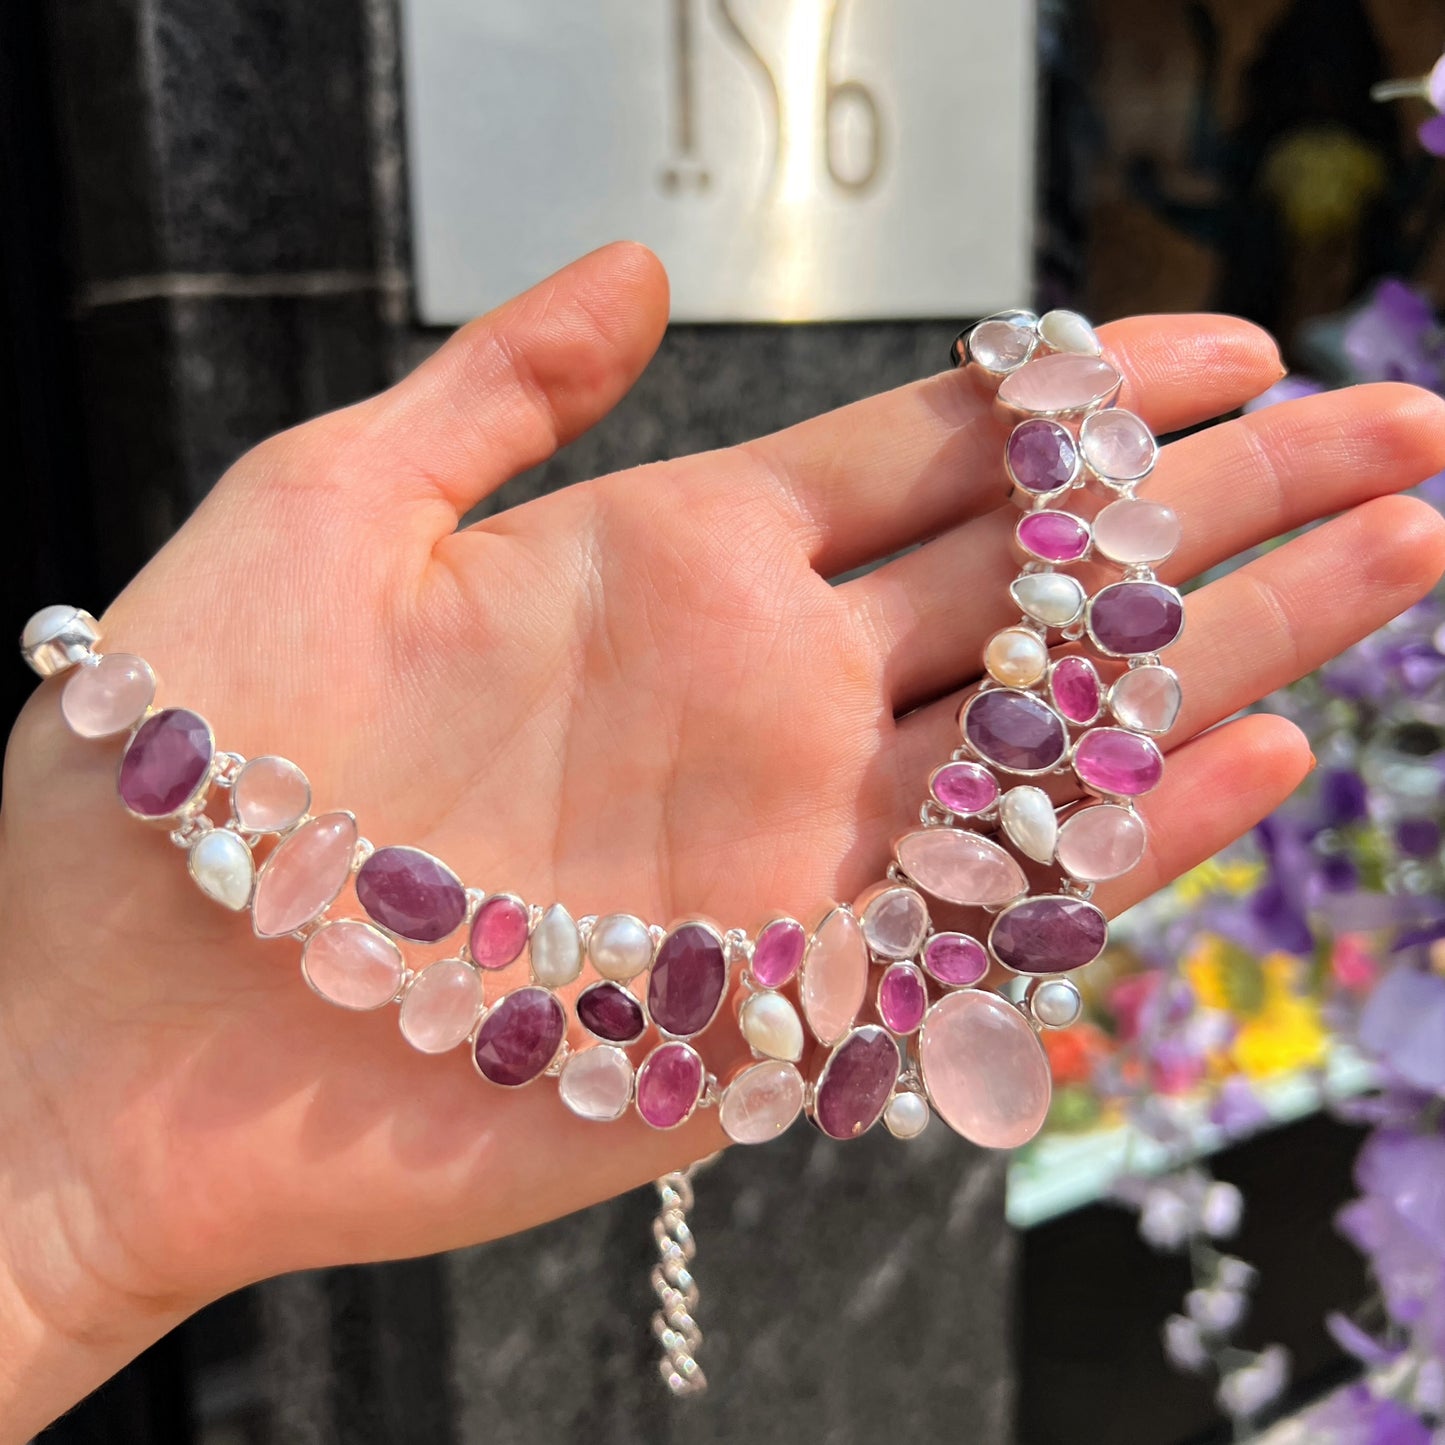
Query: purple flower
point(1393, 337)
point(1403, 1026)
point(1359, 1343)
point(1418, 837)
point(1344, 798)
point(1355, 1416)
point(1236, 1108)
point(1432, 135)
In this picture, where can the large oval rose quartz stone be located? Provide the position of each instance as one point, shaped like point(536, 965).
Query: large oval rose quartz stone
point(856, 1082)
point(1118, 762)
point(984, 1068)
point(687, 981)
point(761, 1102)
point(1015, 730)
point(520, 1037)
point(1100, 843)
point(109, 696)
point(778, 953)
point(166, 764)
point(1049, 934)
point(303, 875)
point(1054, 385)
point(960, 867)
point(441, 1005)
point(835, 976)
point(352, 964)
point(669, 1085)
point(411, 893)
point(1128, 619)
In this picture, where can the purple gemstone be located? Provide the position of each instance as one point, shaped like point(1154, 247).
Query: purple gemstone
point(1016, 730)
point(520, 1036)
point(167, 761)
point(854, 1086)
point(1075, 688)
point(902, 998)
point(1118, 762)
point(1053, 536)
point(778, 952)
point(1130, 618)
point(687, 981)
point(610, 1012)
point(411, 893)
point(499, 932)
point(955, 959)
point(964, 788)
point(1051, 934)
point(1042, 456)
point(669, 1084)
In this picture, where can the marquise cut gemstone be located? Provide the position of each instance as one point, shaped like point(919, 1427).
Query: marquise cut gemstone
point(669, 1085)
point(1118, 446)
point(835, 976)
point(440, 1006)
point(608, 1011)
point(856, 1082)
point(955, 959)
point(964, 788)
point(687, 980)
point(108, 697)
point(1118, 762)
point(1132, 618)
point(778, 952)
point(1075, 688)
point(270, 795)
point(895, 920)
point(902, 997)
point(1100, 843)
point(1147, 699)
point(596, 1083)
point(1136, 533)
point(166, 763)
point(411, 893)
point(1014, 730)
point(1051, 598)
point(1041, 457)
point(1059, 384)
point(520, 1036)
point(499, 931)
point(960, 867)
point(984, 1068)
point(1053, 536)
point(352, 964)
point(1049, 934)
point(761, 1102)
point(304, 874)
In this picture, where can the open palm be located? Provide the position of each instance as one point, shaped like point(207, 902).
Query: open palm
point(638, 693)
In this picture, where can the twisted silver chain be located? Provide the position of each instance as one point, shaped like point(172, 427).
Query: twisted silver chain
point(674, 1322)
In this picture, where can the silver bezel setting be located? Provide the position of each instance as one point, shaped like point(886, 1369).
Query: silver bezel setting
point(983, 758)
point(281, 828)
point(820, 1078)
point(1054, 702)
point(1134, 582)
point(1114, 687)
point(608, 985)
point(412, 982)
point(1054, 561)
point(391, 943)
point(1044, 898)
point(718, 934)
point(462, 922)
point(475, 1035)
point(1042, 501)
point(196, 798)
point(669, 1042)
point(1118, 484)
point(572, 1059)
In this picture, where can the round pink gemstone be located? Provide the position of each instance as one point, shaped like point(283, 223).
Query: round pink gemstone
point(964, 788)
point(1041, 456)
point(441, 1005)
point(1049, 934)
point(895, 921)
point(108, 697)
point(1147, 698)
point(855, 1084)
point(1000, 345)
point(166, 764)
point(1053, 536)
point(608, 1011)
point(1051, 385)
point(411, 893)
point(1131, 618)
point(985, 1071)
point(596, 1083)
point(687, 980)
point(761, 1102)
point(902, 998)
point(1136, 533)
point(835, 976)
point(1118, 446)
point(955, 959)
point(1100, 843)
point(1014, 730)
point(304, 874)
point(960, 867)
point(1074, 686)
point(352, 964)
point(1121, 763)
point(270, 795)
point(778, 953)
point(520, 1037)
point(669, 1084)
point(499, 931)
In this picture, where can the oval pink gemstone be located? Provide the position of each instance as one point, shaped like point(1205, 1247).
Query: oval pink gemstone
point(1060, 383)
point(1075, 688)
point(411, 893)
point(1136, 533)
point(1100, 843)
point(304, 874)
point(669, 1085)
point(1131, 618)
point(270, 795)
point(964, 788)
point(499, 931)
point(1015, 730)
point(960, 867)
point(108, 697)
point(687, 981)
point(1118, 762)
point(856, 1082)
point(778, 953)
point(1049, 934)
point(902, 998)
point(1147, 698)
point(895, 921)
point(835, 976)
point(955, 959)
point(166, 763)
point(609, 1011)
point(441, 1005)
point(352, 964)
point(984, 1068)
point(1118, 446)
point(520, 1037)
point(1053, 536)
point(761, 1102)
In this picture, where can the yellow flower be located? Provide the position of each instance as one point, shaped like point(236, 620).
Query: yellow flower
point(1234, 877)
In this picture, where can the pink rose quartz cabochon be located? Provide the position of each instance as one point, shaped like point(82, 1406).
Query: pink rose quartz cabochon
point(270, 795)
point(352, 964)
point(304, 874)
point(441, 1005)
point(761, 1102)
point(1060, 383)
point(835, 976)
point(960, 867)
point(108, 697)
point(596, 1083)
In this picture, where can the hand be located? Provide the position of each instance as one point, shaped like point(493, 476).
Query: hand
point(640, 692)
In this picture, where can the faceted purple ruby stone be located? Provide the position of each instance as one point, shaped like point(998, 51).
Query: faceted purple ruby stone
point(964, 788)
point(669, 1084)
point(778, 953)
point(687, 980)
point(902, 998)
point(856, 1082)
point(955, 959)
point(609, 1011)
point(1053, 536)
point(1075, 688)
point(411, 893)
point(1051, 934)
point(1042, 456)
point(167, 760)
point(1016, 730)
point(520, 1036)
point(1118, 762)
point(1130, 618)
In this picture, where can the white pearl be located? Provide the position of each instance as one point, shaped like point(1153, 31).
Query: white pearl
point(620, 946)
point(1055, 1003)
point(1068, 331)
point(1029, 819)
point(223, 868)
point(772, 1026)
point(1016, 657)
point(906, 1116)
point(47, 623)
point(556, 948)
point(1049, 597)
